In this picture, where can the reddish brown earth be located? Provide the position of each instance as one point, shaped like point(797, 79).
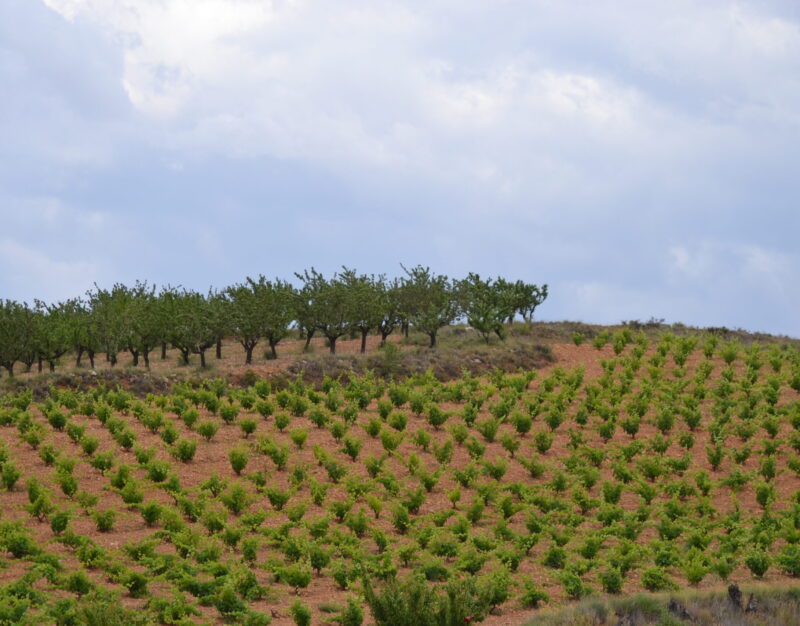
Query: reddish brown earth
point(212, 457)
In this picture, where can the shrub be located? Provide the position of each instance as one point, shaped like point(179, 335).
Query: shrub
point(248, 426)
point(611, 580)
point(296, 575)
point(207, 430)
point(299, 437)
point(301, 614)
point(184, 450)
point(59, 522)
point(573, 586)
point(543, 441)
point(656, 579)
point(238, 459)
point(151, 513)
point(104, 520)
point(758, 562)
point(78, 583)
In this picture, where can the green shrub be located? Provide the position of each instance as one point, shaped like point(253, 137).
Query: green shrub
point(656, 579)
point(757, 562)
point(104, 520)
point(207, 430)
point(238, 459)
point(301, 614)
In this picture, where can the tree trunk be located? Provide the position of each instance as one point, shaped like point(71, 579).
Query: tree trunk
point(184, 355)
point(405, 329)
point(10, 368)
point(219, 348)
point(163, 350)
point(113, 359)
point(384, 334)
point(52, 365)
point(273, 352)
point(91, 357)
point(202, 358)
point(79, 357)
point(364, 333)
point(135, 355)
point(249, 358)
point(146, 357)
point(40, 365)
point(309, 335)
point(332, 344)
point(432, 335)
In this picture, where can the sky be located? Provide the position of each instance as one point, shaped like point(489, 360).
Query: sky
point(641, 158)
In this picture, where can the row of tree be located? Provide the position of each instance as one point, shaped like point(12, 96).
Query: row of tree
point(141, 320)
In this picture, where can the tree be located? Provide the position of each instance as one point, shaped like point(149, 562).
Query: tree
point(55, 331)
point(277, 305)
point(84, 336)
point(366, 302)
point(329, 307)
point(108, 312)
point(12, 322)
point(191, 331)
point(487, 304)
point(144, 326)
point(526, 297)
point(390, 295)
point(245, 323)
point(430, 299)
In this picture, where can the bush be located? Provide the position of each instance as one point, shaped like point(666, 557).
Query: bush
point(532, 596)
point(207, 430)
point(184, 450)
point(104, 520)
point(296, 575)
point(611, 580)
point(758, 563)
point(301, 614)
point(151, 513)
point(413, 602)
point(657, 579)
point(238, 459)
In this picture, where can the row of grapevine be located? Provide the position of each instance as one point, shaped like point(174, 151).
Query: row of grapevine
point(679, 464)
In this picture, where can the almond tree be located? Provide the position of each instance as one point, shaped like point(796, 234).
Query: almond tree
point(12, 318)
point(55, 329)
point(431, 299)
point(108, 312)
point(329, 305)
point(486, 304)
point(366, 302)
point(191, 330)
point(245, 323)
point(277, 299)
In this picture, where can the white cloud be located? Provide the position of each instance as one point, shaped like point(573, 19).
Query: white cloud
point(31, 272)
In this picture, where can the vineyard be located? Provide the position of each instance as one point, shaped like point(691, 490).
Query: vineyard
point(634, 465)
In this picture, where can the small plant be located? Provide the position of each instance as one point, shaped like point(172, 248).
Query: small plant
point(238, 459)
point(656, 579)
point(248, 426)
point(207, 430)
point(104, 520)
point(299, 437)
point(184, 450)
point(301, 614)
point(758, 562)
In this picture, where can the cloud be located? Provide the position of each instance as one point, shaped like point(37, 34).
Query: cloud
point(638, 157)
point(29, 272)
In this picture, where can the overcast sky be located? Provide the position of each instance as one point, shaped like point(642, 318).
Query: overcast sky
point(642, 158)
